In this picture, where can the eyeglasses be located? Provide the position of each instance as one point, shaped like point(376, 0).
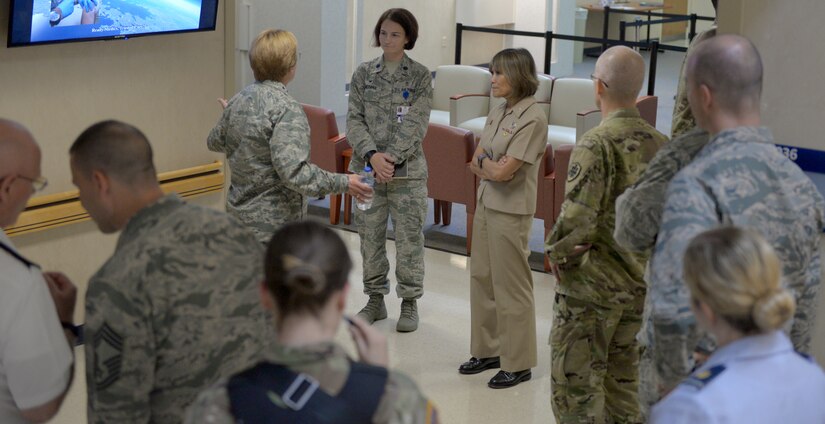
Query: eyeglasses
point(595, 78)
point(38, 183)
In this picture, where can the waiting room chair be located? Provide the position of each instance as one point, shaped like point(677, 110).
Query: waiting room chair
point(449, 151)
point(569, 97)
point(326, 147)
point(469, 111)
point(458, 79)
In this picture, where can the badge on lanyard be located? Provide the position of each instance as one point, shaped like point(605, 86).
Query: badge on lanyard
point(402, 111)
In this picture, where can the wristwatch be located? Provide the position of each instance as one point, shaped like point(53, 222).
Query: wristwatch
point(368, 156)
point(481, 159)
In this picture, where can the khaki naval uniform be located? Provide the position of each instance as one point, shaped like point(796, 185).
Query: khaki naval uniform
point(503, 315)
point(402, 402)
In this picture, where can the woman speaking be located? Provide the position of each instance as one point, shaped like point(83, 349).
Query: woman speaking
point(503, 317)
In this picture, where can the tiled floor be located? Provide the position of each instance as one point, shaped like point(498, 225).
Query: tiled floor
point(432, 354)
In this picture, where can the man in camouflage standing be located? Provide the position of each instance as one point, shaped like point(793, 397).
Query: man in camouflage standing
point(600, 288)
point(639, 208)
point(739, 179)
point(176, 307)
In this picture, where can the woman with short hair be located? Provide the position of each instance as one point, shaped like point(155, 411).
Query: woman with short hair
point(265, 135)
point(389, 108)
point(502, 308)
point(754, 376)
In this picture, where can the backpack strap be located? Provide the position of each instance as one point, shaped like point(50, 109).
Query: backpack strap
point(272, 393)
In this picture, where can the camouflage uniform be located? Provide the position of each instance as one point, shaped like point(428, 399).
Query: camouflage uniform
point(600, 293)
point(174, 309)
point(265, 136)
point(737, 179)
point(328, 363)
point(683, 120)
point(639, 208)
point(638, 217)
point(372, 124)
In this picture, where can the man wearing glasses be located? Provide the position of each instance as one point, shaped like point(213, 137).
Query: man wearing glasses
point(600, 289)
point(36, 359)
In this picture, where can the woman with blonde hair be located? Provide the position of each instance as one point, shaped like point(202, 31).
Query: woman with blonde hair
point(754, 376)
point(265, 135)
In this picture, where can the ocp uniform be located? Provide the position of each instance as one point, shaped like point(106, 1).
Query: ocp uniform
point(600, 294)
point(389, 113)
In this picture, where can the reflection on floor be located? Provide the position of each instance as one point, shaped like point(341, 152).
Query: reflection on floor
point(432, 354)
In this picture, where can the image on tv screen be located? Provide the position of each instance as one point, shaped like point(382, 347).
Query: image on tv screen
point(64, 20)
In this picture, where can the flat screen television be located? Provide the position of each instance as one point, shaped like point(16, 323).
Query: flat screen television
point(57, 21)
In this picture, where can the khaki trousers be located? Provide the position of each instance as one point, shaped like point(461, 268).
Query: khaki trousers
point(502, 308)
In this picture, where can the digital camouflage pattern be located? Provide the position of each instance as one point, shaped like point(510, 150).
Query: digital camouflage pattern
point(174, 309)
point(373, 124)
point(265, 136)
point(607, 160)
point(739, 179)
point(601, 292)
point(683, 120)
point(402, 402)
point(639, 208)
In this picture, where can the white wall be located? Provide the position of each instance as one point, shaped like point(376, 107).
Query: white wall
point(321, 34)
point(436, 30)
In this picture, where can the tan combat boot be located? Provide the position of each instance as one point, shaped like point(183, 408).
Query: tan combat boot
point(375, 309)
point(408, 321)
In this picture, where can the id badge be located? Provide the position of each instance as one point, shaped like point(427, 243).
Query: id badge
point(401, 112)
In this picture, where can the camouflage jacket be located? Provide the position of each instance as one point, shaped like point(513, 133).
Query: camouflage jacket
point(607, 160)
point(375, 97)
point(739, 179)
point(639, 208)
point(402, 402)
point(265, 136)
point(174, 309)
point(683, 120)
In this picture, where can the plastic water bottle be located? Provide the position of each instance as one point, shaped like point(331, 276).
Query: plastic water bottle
point(368, 179)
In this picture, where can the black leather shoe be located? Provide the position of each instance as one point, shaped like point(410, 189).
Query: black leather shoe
point(505, 379)
point(475, 365)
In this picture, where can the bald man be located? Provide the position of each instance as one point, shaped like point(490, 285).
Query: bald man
point(176, 306)
point(36, 359)
point(600, 288)
point(739, 179)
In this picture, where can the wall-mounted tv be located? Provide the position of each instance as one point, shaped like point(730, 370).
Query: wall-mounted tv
point(57, 21)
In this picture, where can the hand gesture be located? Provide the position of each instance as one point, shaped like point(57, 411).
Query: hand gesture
point(370, 343)
point(64, 294)
point(223, 102)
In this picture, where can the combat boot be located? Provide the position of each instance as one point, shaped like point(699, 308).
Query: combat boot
point(408, 321)
point(375, 309)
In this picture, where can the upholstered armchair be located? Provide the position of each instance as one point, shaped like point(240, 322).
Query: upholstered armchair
point(457, 79)
point(449, 151)
point(326, 147)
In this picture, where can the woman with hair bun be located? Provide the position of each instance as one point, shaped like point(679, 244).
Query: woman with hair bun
point(306, 377)
point(755, 376)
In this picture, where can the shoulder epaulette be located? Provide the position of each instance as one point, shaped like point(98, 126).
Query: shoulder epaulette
point(701, 379)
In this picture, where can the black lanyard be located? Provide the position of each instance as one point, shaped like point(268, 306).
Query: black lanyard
point(17, 256)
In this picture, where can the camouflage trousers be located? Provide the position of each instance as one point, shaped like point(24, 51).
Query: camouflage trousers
point(595, 359)
point(405, 202)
